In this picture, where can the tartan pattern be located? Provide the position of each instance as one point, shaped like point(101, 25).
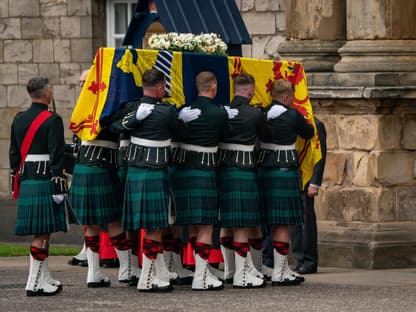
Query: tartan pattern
point(146, 199)
point(239, 198)
point(280, 196)
point(95, 195)
point(196, 196)
point(37, 213)
point(122, 173)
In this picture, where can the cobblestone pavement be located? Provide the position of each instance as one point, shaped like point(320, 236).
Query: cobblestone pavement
point(331, 290)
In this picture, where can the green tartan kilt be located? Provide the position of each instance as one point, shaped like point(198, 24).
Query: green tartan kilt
point(196, 196)
point(146, 199)
point(37, 213)
point(239, 198)
point(280, 196)
point(122, 173)
point(95, 195)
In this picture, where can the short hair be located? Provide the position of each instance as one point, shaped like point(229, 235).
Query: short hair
point(152, 77)
point(36, 85)
point(204, 80)
point(281, 87)
point(244, 79)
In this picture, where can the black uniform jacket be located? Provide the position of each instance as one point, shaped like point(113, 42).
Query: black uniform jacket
point(49, 139)
point(243, 129)
point(162, 124)
point(205, 131)
point(284, 131)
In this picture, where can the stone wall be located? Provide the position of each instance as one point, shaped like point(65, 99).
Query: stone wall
point(266, 22)
point(52, 38)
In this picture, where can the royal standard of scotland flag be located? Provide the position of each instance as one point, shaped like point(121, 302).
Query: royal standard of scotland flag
point(116, 77)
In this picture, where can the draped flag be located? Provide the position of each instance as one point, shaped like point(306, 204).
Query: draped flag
point(116, 77)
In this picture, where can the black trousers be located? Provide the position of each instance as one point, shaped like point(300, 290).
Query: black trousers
point(304, 237)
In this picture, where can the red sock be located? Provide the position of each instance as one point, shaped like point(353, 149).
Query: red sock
point(134, 246)
point(281, 247)
point(203, 250)
point(227, 241)
point(93, 243)
point(241, 248)
point(39, 254)
point(168, 242)
point(151, 248)
point(120, 242)
point(256, 243)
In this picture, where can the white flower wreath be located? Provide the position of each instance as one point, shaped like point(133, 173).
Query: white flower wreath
point(187, 42)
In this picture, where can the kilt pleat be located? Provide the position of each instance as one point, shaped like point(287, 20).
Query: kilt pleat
point(37, 213)
point(95, 195)
point(146, 199)
point(239, 198)
point(196, 196)
point(280, 196)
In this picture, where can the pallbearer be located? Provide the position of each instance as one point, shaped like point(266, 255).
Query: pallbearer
point(151, 124)
point(278, 176)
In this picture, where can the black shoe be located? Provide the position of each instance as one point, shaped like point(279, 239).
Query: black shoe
point(302, 270)
point(102, 283)
point(75, 261)
point(109, 263)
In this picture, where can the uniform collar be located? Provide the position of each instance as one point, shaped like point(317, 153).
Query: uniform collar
point(40, 106)
point(149, 99)
point(240, 100)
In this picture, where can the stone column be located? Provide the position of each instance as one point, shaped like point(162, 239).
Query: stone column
point(315, 31)
point(381, 37)
point(366, 212)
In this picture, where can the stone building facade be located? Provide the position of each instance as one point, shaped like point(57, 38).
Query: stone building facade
point(360, 60)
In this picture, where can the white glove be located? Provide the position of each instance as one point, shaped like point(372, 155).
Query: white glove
point(188, 114)
point(144, 110)
point(58, 198)
point(275, 111)
point(232, 112)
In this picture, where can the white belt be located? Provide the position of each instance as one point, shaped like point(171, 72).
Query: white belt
point(175, 144)
point(37, 157)
point(150, 143)
point(101, 143)
point(124, 143)
point(236, 147)
point(198, 148)
point(277, 147)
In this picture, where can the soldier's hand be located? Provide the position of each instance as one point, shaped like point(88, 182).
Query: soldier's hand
point(144, 111)
point(231, 112)
point(58, 198)
point(188, 114)
point(313, 190)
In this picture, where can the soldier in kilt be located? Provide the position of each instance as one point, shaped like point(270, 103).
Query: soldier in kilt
point(239, 198)
point(279, 178)
point(42, 184)
point(151, 124)
point(196, 191)
point(96, 198)
point(172, 237)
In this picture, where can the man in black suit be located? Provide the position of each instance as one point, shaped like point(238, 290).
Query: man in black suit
point(304, 236)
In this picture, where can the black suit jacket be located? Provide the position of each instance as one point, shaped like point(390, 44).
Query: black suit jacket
point(318, 170)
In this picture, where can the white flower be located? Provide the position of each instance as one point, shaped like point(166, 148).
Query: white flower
point(205, 43)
